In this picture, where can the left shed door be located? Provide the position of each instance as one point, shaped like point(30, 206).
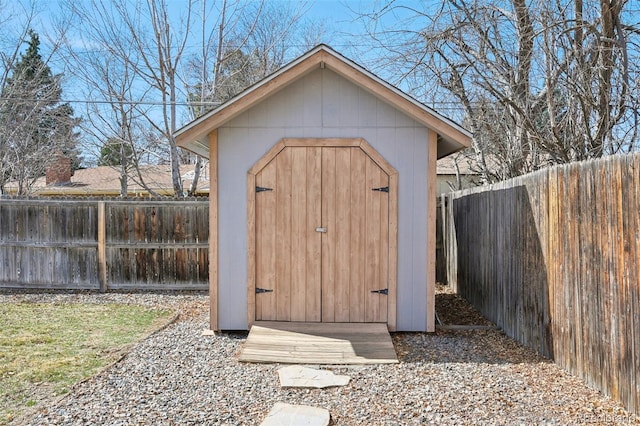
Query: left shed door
point(288, 248)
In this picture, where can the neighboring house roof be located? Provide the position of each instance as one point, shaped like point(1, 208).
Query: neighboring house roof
point(469, 164)
point(453, 165)
point(105, 181)
point(194, 136)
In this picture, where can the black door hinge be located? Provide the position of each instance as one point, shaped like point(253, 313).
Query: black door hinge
point(383, 189)
point(263, 290)
point(262, 189)
point(383, 291)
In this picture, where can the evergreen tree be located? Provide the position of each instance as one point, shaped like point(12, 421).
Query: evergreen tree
point(116, 153)
point(34, 125)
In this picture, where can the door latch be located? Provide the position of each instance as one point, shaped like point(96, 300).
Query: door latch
point(383, 291)
point(264, 290)
point(321, 229)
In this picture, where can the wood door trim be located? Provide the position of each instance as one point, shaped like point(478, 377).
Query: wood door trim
point(393, 252)
point(431, 230)
point(213, 230)
point(251, 248)
point(338, 143)
point(393, 215)
point(266, 159)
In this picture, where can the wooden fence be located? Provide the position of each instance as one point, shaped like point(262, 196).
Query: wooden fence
point(104, 244)
point(553, 258)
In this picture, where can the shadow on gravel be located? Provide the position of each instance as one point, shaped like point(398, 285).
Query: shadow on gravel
point(467, 346)
point(461, 346)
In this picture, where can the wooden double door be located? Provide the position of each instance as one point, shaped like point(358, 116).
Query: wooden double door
point(322, 240)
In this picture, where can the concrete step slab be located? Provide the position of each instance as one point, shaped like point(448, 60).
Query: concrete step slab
point(296, 415)
point(297, 376)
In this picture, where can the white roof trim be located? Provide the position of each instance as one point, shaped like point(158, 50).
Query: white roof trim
point(301, 59)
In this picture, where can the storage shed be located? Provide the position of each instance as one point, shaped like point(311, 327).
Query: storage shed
point(323, 195)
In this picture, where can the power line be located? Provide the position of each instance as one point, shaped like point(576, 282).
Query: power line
point(443, 104)
point(115, 102)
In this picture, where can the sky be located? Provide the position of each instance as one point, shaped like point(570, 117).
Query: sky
point(343, 28)
point(339, 16)
point(337, 11)
point(342, 17)
point(343, 32)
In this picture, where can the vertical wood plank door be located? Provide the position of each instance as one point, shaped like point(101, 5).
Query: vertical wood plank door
point(355, 248)
point(288, 248)
point(322, 236)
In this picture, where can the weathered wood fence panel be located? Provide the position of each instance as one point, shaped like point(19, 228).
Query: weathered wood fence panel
point(157, 245)
point(140, 244)
point(47, 244)
point(552, 258)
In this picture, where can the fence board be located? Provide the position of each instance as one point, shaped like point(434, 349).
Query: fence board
point(160, 245)
point(634, 289)
point(46, 245)
point(552, 258)
point(630, 278)
point(148, 244)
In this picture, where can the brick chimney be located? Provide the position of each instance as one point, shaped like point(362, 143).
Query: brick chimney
point(59, 171)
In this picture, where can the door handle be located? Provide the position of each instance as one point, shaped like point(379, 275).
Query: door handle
point(321, 229)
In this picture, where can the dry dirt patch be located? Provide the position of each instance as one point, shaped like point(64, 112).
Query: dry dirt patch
point(453, 309)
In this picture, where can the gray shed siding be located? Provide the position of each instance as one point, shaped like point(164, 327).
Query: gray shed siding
point(323, 104)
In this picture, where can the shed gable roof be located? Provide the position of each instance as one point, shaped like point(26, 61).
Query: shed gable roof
point(194, 136)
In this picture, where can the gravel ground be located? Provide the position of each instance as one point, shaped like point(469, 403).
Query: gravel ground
point(179, 377)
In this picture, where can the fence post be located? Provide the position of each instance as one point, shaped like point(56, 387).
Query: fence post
point(441, 237)
point(102, 252)
point(451, 246)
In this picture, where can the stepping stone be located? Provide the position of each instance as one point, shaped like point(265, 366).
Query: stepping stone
point(296, 376)
point(296, 415)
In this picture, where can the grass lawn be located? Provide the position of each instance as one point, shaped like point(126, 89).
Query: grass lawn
point(46, 348)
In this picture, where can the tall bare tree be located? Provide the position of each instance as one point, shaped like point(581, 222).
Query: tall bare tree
point(107, 61)
point(241, 44)
point(148, 40)
point(153, 39)
point(538, 83)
